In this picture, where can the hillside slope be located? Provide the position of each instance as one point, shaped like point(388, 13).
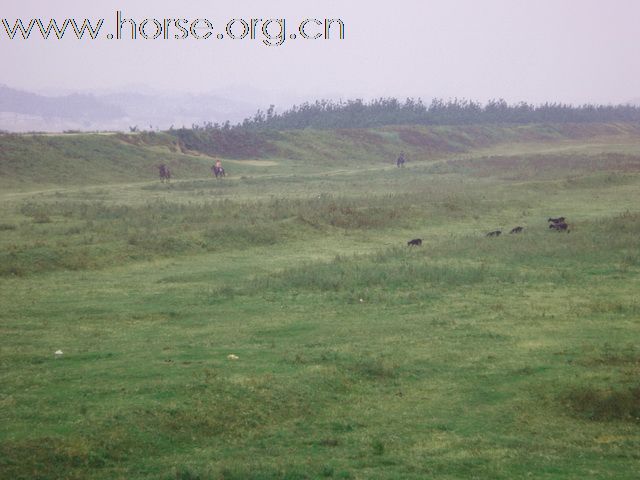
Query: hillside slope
point(30, 161)
point(40, 161)
point(427, 143)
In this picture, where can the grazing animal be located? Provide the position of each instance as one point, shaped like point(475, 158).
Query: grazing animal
point(495, 233)
point(517, 230)
point(560, 227)
point(556, 220)
point(416, 242)
point(165, 173)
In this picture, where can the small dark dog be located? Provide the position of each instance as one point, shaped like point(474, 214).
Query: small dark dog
point(556, 220)
point(495, 233)
point(560, 226)
point(416, 242)
point(517, 230)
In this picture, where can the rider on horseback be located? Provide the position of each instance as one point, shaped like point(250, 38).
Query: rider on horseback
point(217, 169)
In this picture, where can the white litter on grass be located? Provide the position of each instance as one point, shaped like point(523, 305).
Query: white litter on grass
point(233, 357)
point(361, 301)
point(58, 353)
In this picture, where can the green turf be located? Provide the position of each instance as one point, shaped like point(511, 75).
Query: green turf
point(358, 357)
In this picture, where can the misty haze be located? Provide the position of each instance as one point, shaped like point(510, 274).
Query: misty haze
point(305, 240)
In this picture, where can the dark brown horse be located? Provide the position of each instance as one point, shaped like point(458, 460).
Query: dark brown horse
point(165, 173)
point(218, 171)
point(559, 227)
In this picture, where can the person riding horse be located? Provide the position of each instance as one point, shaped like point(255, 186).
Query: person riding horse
point(217, 169)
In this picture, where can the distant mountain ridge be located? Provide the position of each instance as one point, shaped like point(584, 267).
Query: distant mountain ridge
point(69, 106)
point(22, 111)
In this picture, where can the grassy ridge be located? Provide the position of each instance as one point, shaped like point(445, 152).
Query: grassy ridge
point(28, 161)
point(423, 143)
point(31, 161)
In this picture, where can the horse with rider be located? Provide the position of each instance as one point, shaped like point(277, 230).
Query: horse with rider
point(218, 169)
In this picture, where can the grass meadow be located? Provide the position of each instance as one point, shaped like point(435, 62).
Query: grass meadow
point(358, 357)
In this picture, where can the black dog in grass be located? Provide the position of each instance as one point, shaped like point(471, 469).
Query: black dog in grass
point(416, 242)
point(560, 227)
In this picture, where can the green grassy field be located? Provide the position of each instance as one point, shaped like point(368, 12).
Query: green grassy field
point(358, 357)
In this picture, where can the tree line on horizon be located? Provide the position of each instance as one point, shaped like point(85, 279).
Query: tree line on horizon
point(327, 114)
point(250, 137)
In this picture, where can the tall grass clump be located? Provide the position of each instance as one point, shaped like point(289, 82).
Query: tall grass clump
point(105, 233)
point(395, 269)
point(600, 404)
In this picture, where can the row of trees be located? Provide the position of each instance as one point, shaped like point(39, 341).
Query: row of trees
point(251, 137)
point(326, 114)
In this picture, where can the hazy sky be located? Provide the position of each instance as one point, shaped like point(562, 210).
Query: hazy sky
point(533, 50)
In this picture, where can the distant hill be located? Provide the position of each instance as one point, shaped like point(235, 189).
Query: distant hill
point(22, 111)
point(178, 110)
point(76, 106)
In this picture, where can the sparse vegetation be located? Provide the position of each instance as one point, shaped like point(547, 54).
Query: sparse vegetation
point(606, 404)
